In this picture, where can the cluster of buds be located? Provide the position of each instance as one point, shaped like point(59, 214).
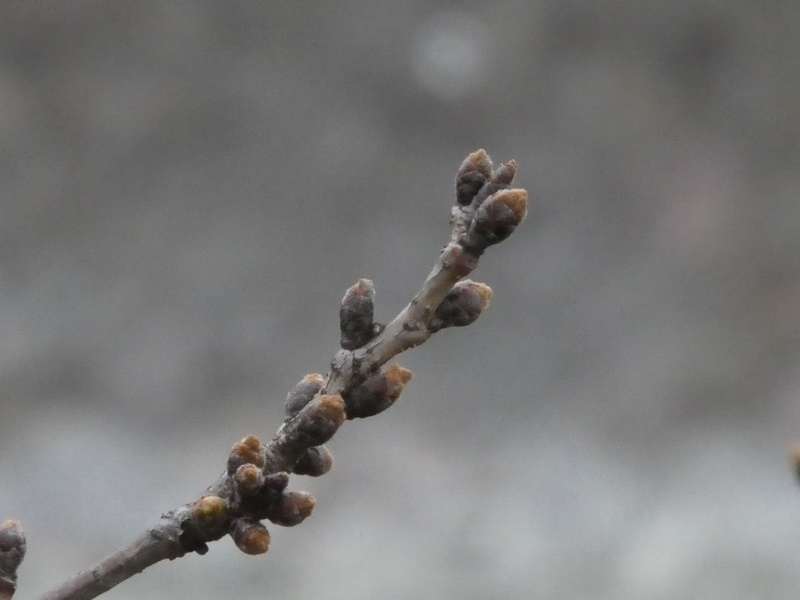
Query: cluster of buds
point(315, 460)
point(314, 425)
point(361, 384)
point(311, 419)
point(486, 210)
point(255, 489)
point(253, 493)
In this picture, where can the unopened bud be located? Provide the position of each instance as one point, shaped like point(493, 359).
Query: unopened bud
point(210, 512)
point(248, 480)
point(250, 536)
point(462, 305)
point(505, 173)
point(302, 393)
point(473, 173)
point(495, 219)
point(292, 508)
point(315, 461)
point(320, 420)
point(246, 451)
point(356, 314)
point(377, 392)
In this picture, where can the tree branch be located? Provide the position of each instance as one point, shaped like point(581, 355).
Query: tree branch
point(253, 488)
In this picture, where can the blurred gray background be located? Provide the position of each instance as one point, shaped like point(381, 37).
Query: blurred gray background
point(187, 189)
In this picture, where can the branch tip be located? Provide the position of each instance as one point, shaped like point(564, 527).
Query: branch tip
point(495, 219)
point(504, 175)
point(472, 174)
point(516, 200)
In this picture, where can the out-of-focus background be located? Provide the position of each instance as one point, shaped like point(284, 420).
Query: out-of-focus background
point(187, 189)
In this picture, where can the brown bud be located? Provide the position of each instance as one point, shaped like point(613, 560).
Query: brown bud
point(315, 461)
point(472, 174)
point(302, 393)
point(505, 173)
point(210, 512)
point(318, 421)
point(462, 305)
point(248, 479)
point(356, 314)
point(248, 450)
point(292, 508)
point(495, 219)
point(377, 392)
point(250, 536)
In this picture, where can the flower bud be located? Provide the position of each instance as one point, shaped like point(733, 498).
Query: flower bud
point(504, 175)
point(315, 461)
point(473, 173)
point(495, 219)
point(319, 421)
point(302, 393)
point(250, 536)
point(462, 305)
point(248, 480)
point(356, 314)
point(377, 392)
point(292, 508)
point(248, 450)
point(210, 513)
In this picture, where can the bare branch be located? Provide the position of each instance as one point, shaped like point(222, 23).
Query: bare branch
point(159, 543)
